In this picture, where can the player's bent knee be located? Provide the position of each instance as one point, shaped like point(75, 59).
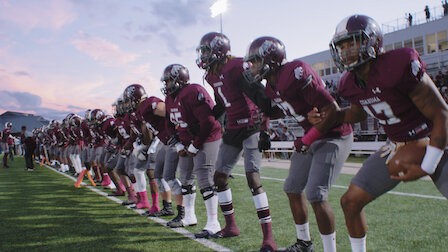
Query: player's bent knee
point(175, 186)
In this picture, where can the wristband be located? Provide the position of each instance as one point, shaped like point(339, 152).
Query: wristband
point(312, 135)
point(179, 147)
point(431, 159)
point(192, 149)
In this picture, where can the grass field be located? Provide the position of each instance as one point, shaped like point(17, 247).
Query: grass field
point(43, 211)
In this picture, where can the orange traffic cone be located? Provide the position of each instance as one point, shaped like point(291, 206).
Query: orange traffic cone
point(80, 178)
point(90, 178)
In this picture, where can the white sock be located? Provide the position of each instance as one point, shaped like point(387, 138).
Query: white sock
point(358, 244)
point(140, 178)
point(329, 242)
point(303, 231)
point(211, 205)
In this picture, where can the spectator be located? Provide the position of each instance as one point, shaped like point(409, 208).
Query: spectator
point(445, 79)
point(428, 15)
point(439, 79)
point(410, 19)
point(30, 145)
point(285, 135)
point(445, 8)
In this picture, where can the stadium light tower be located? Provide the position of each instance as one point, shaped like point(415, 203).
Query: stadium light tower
point(218, 8)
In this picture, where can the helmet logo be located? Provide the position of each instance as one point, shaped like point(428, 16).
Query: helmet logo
point(175, 70)
point(216, 42)
point(266, 48)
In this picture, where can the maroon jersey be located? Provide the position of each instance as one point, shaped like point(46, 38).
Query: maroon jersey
point(124, 127)
point(191, 112)
point(298, 90)
point(86, 133)
point(240, 110)
point(108, 127)
point(145, 114)
point(6, 135)
point(386, 96)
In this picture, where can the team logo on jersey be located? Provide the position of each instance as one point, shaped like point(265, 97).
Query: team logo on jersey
point(298, 72)
point(201, 97)
point(416, 66)
point(376, 90)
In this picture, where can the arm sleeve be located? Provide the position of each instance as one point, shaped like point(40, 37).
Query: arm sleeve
point(206, 123)
point(255, 92)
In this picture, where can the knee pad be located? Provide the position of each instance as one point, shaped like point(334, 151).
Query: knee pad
point(175, 186)
point(162, 185)
point(188, 189)
point(208, 192)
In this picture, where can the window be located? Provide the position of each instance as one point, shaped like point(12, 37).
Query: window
point(431, 43)
point(398, 45)
point(418, 45)
point(315, 67)
point(388, 47)
point(334, 70)
point(327, 67)
point(319, 68)
point(442, 41)
point(408, 43)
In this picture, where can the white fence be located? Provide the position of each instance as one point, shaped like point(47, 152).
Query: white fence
point(357, 147)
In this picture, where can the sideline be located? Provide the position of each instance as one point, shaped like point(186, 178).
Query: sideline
point(182, 231)
point(345, 187)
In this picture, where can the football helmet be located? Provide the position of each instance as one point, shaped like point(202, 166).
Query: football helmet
point(367, 40)
point(118, 107)
point(97, 116)
point(87, 114)
point(67, 120)
point(175, 77)
point(213, 47)
point(265, 56)
point(75, 121)
point(8, 125)
point(133, 94)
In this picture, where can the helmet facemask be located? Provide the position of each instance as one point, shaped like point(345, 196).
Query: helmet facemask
point(205, 56)
point(256, 70)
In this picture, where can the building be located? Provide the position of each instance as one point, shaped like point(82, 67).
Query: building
point(429, 38)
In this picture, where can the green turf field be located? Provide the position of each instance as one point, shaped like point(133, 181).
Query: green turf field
point(43, 211)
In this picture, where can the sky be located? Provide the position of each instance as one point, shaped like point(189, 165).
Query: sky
point(62, 56)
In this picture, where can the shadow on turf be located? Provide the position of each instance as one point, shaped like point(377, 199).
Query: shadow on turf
point(44, 214)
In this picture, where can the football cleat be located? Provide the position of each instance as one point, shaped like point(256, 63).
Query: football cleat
point(128, 202)
point(300, 246)
point(204, 234)
point(166, 211)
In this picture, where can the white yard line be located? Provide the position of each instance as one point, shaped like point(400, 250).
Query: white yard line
point(345, 187)
point(182, 231)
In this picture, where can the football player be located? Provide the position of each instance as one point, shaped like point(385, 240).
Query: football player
point(296, 88)
point(6, 138)
point(189, 107)
point(393, 87)
point(142, 137)
point(151, 112)
point(242, 132)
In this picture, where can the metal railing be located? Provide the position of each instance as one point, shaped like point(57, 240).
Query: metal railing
point(417, 18)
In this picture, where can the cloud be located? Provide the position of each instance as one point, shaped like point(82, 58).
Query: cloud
point(22, 73)
point(169, 18)
point(107, 53)
point(31, 103)
point(19, 100)
point(47, 14)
